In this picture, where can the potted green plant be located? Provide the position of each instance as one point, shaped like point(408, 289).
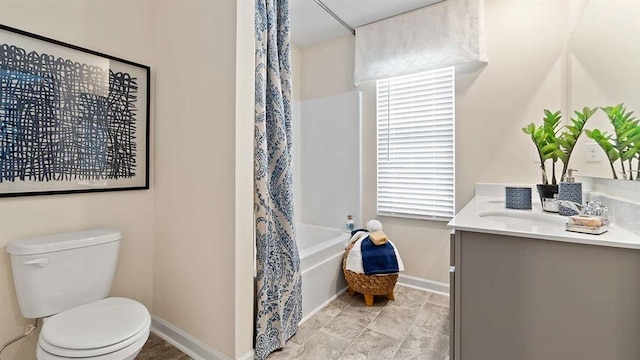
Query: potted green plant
point(624, 144)
point(570, 135)
point(555, 142)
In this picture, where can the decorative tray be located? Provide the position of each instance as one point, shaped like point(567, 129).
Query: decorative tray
point(587, 229)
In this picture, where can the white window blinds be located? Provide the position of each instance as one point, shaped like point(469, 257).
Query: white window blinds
point(416, 117)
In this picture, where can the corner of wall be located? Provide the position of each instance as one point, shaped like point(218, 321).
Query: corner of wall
point(244, 235)
point(297, 66)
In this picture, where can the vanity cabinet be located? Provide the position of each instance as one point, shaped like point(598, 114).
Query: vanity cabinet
point(519, 298)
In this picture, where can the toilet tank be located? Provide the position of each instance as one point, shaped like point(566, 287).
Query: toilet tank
point(54, 273)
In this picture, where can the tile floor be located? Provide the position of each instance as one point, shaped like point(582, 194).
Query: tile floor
point(414, 326)
point(158, 349)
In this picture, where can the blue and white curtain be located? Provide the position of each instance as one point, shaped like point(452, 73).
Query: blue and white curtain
point(278, 283)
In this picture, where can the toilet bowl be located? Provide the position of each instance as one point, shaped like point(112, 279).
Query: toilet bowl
point(110, 329)
point(66, 279)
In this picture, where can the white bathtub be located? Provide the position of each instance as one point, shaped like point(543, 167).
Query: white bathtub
point(321, 251)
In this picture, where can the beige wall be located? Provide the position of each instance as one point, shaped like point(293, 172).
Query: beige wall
point(195, 230)
point(525, 43)
point(423, 245)
point(244, 225)
point(187, 242)
point(599, 79)
point(296, 73)
point(296, 128)
point(132, 211)
point(327, 68)
point(524, 75)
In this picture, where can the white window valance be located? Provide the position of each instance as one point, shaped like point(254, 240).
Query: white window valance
point(450, 33)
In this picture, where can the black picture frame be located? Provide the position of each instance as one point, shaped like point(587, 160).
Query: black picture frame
point(72, 120)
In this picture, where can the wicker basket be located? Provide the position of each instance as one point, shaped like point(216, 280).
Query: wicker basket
point(368, 285)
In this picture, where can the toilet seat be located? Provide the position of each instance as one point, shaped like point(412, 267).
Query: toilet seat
point(128, 353)
point(96, 329)
point(91, 353)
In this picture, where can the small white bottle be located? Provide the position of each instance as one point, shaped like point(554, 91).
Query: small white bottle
point(350, 225)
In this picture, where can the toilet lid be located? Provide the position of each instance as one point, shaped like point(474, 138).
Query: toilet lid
point(136, 341)
point(96, 325)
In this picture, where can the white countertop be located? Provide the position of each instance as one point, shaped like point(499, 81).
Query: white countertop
point(539, 225)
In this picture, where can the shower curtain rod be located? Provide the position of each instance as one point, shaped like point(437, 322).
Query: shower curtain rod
point(352, 30)
point(333, 15)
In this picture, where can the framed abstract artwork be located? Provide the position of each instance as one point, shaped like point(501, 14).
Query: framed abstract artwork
point(71, 119)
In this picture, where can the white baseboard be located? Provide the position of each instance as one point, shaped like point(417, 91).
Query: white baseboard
point(324, 304)
point(186, 343)
point(423, 284)
point(248, 356)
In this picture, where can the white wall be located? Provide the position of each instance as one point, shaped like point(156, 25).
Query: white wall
point(326, 128)
point(296, 129)
point(525, 42)
point(88, 24)
point(328, 151)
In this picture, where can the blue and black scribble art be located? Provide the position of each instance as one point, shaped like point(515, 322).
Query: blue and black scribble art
point(62, 120)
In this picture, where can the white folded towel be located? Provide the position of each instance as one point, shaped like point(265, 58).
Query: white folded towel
point(400, 264)
point(354, 259)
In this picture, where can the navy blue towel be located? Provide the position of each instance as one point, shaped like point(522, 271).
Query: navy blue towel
point(378, 259)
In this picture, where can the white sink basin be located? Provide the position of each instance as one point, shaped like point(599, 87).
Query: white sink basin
point(514, 218)
point(496, 201)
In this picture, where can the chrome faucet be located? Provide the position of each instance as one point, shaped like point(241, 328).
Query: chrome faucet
point(579, 208)
point(592, 208)
point(596, 208)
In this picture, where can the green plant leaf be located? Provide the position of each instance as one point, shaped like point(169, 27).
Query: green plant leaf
point(570, 135)
point(604, 141)
point(627, 133)
point(529, 129)
point(630, 154)
point(545, 139)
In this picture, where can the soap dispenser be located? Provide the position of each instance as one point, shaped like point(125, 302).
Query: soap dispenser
point(569, 190)
point(350, 225)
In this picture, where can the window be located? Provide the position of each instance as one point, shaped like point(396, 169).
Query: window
point(416, 117)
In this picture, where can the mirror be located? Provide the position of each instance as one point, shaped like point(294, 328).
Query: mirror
point(603, 63)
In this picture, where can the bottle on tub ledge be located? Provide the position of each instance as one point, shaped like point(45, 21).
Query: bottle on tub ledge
point(569, 190)
point(350, 225)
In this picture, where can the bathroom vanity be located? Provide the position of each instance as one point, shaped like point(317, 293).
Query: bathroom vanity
point(523, 288)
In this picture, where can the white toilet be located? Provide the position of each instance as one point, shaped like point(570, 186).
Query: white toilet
point(65, 279)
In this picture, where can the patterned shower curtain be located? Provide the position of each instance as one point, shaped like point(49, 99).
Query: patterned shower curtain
point(278, 283)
